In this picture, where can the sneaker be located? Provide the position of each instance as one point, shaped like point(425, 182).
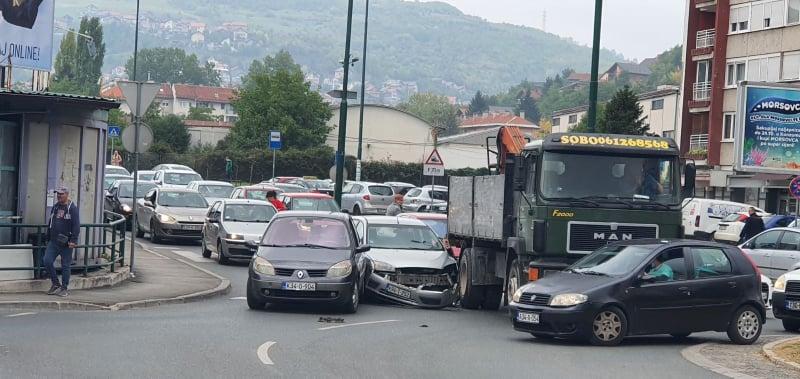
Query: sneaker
point(63, 292)
point(54, 289)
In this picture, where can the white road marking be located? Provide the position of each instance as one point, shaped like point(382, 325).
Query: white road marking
point(195, 257)
point(21, 314)
point(263, 352)
point(239, 298)
point(356, 324)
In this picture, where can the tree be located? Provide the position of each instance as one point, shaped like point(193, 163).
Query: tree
point(623, 115)
point(545, 127)
point(271, 64)
point(79, 60)
point(528, 106)
point(277, 97)
point(172, 65)
point(117, 117)
point(479, 104)
point(170, 131)
point(201, 114)
point(667, 68)
point(434, 109)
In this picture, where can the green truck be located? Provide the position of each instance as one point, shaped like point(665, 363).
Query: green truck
point(552, 201)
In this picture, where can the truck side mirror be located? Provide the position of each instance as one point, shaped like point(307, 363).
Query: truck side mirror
point(689, 175)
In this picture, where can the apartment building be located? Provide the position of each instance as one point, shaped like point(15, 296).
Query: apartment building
point(729, 41)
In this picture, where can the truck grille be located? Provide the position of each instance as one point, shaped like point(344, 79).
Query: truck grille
point(535, 299)
point(588, 237)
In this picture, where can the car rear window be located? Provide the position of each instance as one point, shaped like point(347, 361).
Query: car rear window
point(381, 191)
point(323, 205)
point(414, 192)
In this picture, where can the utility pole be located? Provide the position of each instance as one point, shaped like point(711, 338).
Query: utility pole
point(137, 124)
point(598, 15)
point(343, 109)
point(363, 94)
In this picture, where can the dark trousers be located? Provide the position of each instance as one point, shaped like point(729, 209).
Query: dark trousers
point(53, 251)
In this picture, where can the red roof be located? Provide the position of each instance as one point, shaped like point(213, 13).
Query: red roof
point(114, 92)
point(207, 124)
point(204, 93)
point(497, 119)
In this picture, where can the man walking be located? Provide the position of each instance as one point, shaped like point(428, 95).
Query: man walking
point(63, 232)
point(229, 168)
point(397, 206)
point(753, 226)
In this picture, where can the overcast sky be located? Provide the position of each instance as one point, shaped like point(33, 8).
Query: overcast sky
point(636, 28)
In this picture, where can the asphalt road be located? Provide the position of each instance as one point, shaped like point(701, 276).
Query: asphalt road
point(221, 337)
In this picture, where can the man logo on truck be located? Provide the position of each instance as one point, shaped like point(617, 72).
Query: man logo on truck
point(613, 236)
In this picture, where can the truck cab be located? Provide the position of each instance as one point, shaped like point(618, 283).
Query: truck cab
point(556, 200)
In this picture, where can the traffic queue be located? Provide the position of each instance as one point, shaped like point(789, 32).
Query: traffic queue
point(303, 247)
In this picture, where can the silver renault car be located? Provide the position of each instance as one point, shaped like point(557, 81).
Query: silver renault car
point(230, 223)
point(366, 198)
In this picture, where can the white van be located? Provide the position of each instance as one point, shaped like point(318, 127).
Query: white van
point(175, 178)
point(702, 216)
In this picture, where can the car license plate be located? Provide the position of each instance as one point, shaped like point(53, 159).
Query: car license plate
point(398, 292)
point(723, 227)
point(531, 318)
point(191, 227)
point(793, 305)
point(299, 286)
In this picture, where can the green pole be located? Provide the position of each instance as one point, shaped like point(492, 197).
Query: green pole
point(343, 109)
point(363, 94)
point(598, 15)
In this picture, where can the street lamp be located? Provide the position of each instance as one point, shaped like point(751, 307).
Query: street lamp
point(343, 109)
point(598, 15)
point(363, 94)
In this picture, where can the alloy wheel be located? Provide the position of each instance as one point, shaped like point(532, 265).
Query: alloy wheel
point(607, 326)
point(748, 324)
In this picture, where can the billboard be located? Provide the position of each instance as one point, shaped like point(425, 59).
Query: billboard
point(26, 33)
point(768, 128)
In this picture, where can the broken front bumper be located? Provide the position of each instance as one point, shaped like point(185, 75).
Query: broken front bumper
point(416, 296)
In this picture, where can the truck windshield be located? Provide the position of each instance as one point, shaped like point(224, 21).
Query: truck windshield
point(597, 177)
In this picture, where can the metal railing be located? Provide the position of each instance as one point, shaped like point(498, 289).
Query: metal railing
point(705, 38)
point(698, 142)
point(701, 91)
point(102, 241)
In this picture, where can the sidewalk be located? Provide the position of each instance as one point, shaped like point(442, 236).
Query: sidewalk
point(739, 361)
point(159, 279)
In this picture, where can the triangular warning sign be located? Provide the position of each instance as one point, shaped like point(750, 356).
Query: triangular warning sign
point(434, 159)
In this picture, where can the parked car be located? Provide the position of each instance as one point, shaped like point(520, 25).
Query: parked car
point(281, 179)
point(775, 251)
point(319, 186)
point(175, 178)
point(646, 287)
point(786, 300)
point(701, 217)
point(424, 199)
point(212, 190)
point(408, 264)
point(119, 198)
point(286, 187)
point(779, 221)
point(400, 187)
point(257, 192)
point(171, 213)
point(366, 198)
point(310, 257)
point(230, 223)
point(116, 170)
point(170, 166)
point(766, 291)
point(309, 201)
point(146, 175)
point(729, 229)
point(109, 180)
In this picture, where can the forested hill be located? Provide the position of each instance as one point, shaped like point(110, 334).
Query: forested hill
point(433, 44)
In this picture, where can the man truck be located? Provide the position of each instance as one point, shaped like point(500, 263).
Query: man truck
point(554, 200)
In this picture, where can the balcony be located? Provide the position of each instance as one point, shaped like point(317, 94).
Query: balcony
point(701, 91)
point(698, 148)
point(706, 5)
point(704, 45)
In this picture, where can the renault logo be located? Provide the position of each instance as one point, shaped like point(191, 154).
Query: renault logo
point(533, 297)
point(300, 275)
point(190, 218)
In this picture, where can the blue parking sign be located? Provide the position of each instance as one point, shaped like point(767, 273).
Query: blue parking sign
point(114, 131)
point(275, 140)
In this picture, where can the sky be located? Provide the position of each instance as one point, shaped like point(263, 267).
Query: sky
point(638, 29)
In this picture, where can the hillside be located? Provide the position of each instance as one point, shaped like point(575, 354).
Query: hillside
point(432, 44)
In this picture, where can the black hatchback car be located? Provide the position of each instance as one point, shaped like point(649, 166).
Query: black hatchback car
point(646, 287)
point(308, 257)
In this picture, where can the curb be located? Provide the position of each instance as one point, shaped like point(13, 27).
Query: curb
point(224, 287)
point(769, 351)
point(109, 279)
point(692, 354)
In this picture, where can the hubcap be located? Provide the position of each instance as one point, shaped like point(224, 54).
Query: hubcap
point(748, 324)
point(607, 326)
point(355, 294)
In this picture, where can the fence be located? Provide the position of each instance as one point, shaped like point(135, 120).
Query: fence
point(105, 241)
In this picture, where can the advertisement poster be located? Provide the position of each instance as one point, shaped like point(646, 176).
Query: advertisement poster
point(768, 135)
point(26, 33)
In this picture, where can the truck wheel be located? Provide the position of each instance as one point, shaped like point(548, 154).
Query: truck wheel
point(471, 296)
point(513, 281)
point(493, 298)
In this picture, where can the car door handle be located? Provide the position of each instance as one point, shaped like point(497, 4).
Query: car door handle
point(732, 284)
point(685, 290)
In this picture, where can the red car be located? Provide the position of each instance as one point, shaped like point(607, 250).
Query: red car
point(309, 201)
point(438, 223)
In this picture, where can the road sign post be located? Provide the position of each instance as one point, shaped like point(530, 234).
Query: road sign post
point(275, 144)
point(433, 166)
point(113, 134)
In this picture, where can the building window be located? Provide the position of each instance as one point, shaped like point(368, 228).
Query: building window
point(573, 119)
point(767, 14)
point(764, 69)
point(728, 125)
point(165, 103)
point(657, 104)
point(556, 121)
point(793, 12)
point(791, 66)
point(669, 134)
point(736, 72)
point(740, 19)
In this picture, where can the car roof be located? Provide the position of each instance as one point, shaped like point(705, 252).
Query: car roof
point(117, 176)
point(244, 202)
point(307, 195)
point(399, 184)
point(369, 184)
point(785, 229)
point(425, 216)
point(177, 190)
point(437, 187)
point(145, 171)
point(259, 187)
point(298, 214)
point(179, 171)
point(211, 182)
point(392, 220)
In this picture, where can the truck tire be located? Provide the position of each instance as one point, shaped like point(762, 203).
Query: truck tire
point(471, 296)
point(513, 280)
point(493, 298)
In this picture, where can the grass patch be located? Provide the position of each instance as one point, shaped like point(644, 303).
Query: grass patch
point(790, 352)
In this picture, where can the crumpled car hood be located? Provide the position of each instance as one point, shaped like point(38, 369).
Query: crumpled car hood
point(400, 258)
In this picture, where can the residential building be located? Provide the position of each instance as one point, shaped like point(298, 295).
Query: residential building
point(728, 41)
point(564, 120)
point(178, 99)
point(633, 71)
point(205, 133)
point(494, 120)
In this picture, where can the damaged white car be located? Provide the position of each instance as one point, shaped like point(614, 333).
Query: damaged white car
point(408, 263)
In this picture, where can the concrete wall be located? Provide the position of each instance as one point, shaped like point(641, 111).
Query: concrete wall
point(665, 119)
point(207, 135)
point(564, 124)
point(389, 134)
